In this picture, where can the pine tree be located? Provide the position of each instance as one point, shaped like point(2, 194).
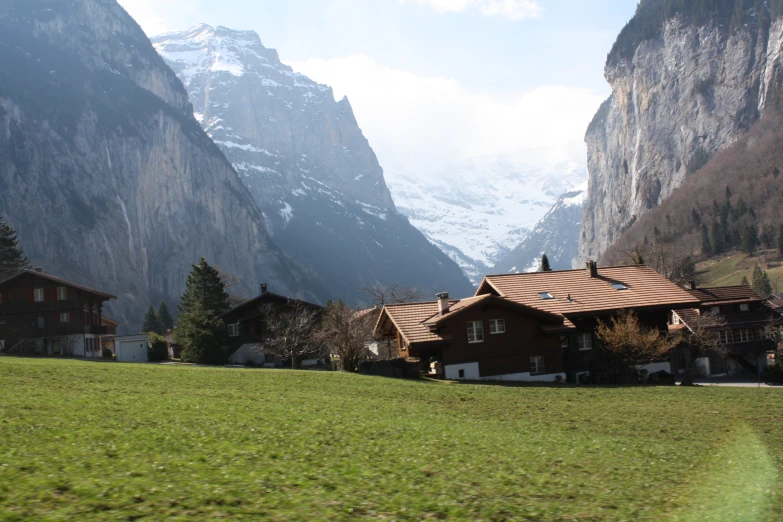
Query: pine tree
point(545, 264)
point(199, 329)
point(745, 281)
point(780, 241)
point(205, 291)
point(716, 238)
point(750, 239)
point(164, 317)
point(761, 284)
point(706, 245)
point(12, 259)
point(151, 324)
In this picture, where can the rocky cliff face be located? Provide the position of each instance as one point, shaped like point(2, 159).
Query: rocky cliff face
point(677, 97)
point(556, 235)
point(105, 173)
point(306, 163)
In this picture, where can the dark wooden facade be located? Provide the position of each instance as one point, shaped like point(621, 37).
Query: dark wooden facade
point(42, 314)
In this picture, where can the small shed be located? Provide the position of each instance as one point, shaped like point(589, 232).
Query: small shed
point(131, 348)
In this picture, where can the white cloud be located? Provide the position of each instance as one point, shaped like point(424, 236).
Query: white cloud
point(426, 122)
point(512, 9)
point(147, 14)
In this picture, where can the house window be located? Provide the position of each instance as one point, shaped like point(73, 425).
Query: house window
point(475, 332)
point(715, 310)
point(497, 326)
point(38, 295)
point(726, 337)
point(585, 342)
point(743, 335)
point(41, 321)
point(62, 293)
point(675, 319)
point(233, 330)
point(619, 286)
point(537, 365)
point(761, 334)
point(744, 307)
point(65, 317)
point(546, 296)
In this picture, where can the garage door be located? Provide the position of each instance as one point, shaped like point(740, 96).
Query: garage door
point(132, 351)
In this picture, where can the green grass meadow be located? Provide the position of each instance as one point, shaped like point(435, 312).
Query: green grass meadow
point(107, 441)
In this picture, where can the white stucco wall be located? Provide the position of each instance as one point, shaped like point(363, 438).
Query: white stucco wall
point(472, 374)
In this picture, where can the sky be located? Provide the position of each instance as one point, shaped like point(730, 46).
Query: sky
point(433, 81)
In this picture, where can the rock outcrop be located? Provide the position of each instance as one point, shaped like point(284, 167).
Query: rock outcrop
point(307, 165)
point(690, 89)
point(104, 171)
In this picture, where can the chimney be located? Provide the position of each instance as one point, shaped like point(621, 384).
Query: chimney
point(38, 269)
point(263, 288)
point(443, 303)
point(692, 285)
point(592, 269)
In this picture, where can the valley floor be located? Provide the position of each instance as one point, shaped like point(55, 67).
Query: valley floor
point(97, 441)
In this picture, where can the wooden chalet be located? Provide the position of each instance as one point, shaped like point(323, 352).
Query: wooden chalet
point(41, 314)
point(745, 335)
point(532, 326)
point(246, 328)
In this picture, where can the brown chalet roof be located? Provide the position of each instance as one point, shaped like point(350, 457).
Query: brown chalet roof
point(725, 295)
point(645, 288)
point(415, 321)
point(61, 281)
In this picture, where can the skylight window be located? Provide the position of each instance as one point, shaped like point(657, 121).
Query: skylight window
point(546, 296)
point(619, 286)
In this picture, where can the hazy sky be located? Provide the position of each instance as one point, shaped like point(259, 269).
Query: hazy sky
point(431, 80)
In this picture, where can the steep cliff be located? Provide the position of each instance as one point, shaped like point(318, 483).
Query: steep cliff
point(306, 163)
point(105, 173)
point(685, 83)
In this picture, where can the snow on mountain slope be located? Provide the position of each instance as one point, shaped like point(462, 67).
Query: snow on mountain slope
point(478, 210)
point(307, 164)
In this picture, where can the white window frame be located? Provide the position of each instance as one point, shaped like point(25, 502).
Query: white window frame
point(233, 330)
point(715, 309)
point(744, 307)
point(497, 326)
point(62, 293)
point(761, 333)
point(475, 332)
point(726, 337)
point(744, 335)
point(537, 365)
point(65, 317)
point(39, 295)
point(584, 342)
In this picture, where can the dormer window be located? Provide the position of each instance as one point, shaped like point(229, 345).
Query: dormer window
point(619, 286)
point(546, 296)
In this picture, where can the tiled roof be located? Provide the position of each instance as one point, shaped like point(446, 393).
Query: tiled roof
point(269, 296)
point(58, 280)
point(455, 308)
point(409, 319)
point(725, 294)
point(644, 288)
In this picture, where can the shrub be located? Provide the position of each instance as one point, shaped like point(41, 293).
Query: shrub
point(158, 348)
point(107, 354)
point(774, 373)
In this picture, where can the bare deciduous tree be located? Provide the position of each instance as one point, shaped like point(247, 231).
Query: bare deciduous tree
point(347, 333)
point(291, 333)
point(631, 343)
point(382, 295)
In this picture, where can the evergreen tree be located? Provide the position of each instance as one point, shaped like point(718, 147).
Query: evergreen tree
point(164, 317)
point(728, 192)
point(199, 330)
point(151, 324)
point(761, 284)
point(706, 245)
point(745, 281)
point(205, 291)
point(716, 238)
point(780, 241)
point(750, 239)
point(545, 264)
point(12, 259)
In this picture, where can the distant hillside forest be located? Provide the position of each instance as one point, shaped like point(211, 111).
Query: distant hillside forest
point(733, 203)
point(728, 15)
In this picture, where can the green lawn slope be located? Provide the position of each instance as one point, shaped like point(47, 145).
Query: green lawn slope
point(729, 270)
point(106, 441)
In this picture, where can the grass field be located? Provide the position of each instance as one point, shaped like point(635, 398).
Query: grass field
point(729, 270)
point(106, 441)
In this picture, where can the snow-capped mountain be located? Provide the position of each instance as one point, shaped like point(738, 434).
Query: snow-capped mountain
point(306, 163)
point(556, 235)
point(478, 210)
